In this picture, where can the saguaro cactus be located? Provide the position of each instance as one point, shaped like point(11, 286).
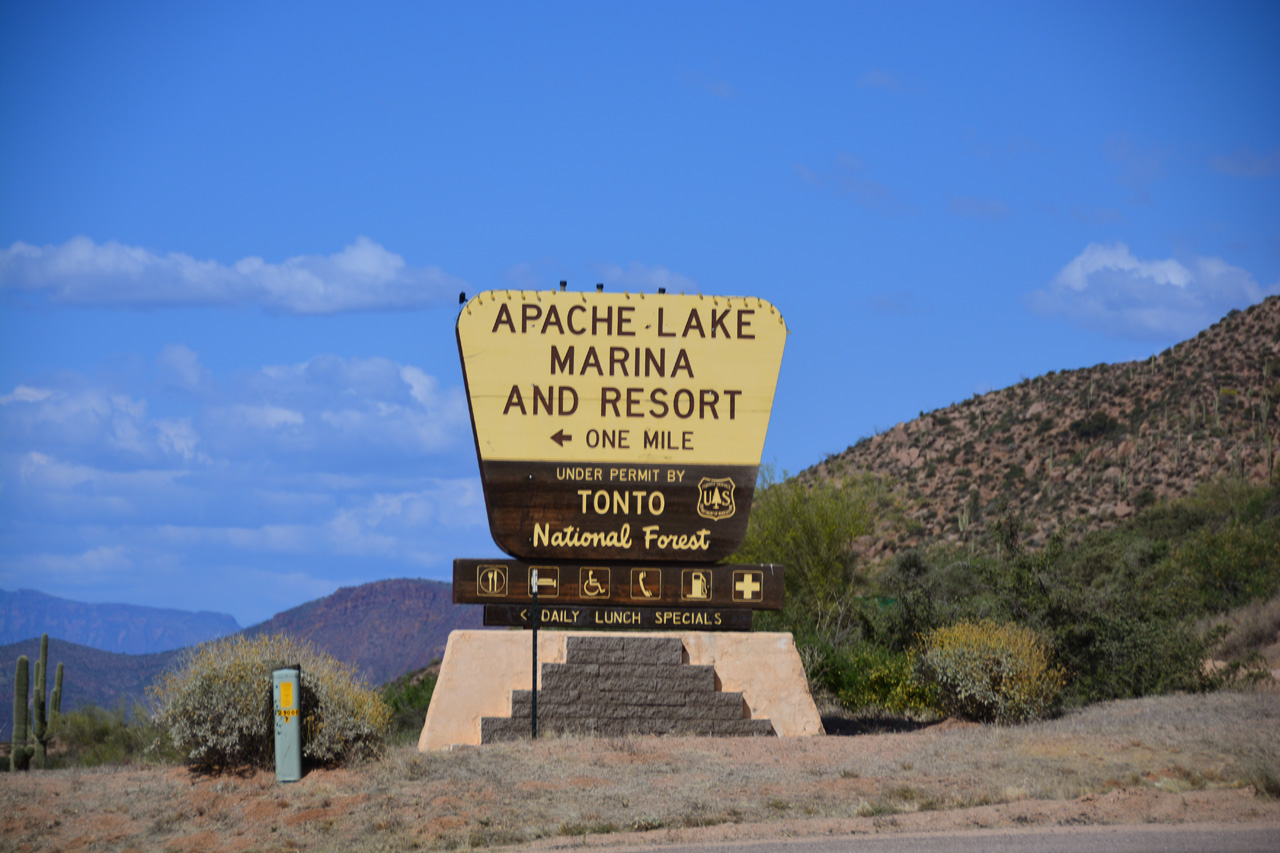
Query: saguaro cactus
point(40, 719)
point(55, 700)
point(34, 723)
point(20, 753)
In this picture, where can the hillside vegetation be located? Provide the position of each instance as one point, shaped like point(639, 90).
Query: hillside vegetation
point(1127, 515)
point(1132, 610)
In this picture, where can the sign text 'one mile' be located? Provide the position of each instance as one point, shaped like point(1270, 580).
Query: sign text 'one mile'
point(614, 426)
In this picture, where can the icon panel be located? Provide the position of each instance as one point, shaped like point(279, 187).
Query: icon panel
point(748, 585)
point(695, 585)
point(593, 582)
point(646, 584)
point(491, 579)
point(548, 581)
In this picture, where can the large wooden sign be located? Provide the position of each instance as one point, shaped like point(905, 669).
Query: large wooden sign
point(614, 426)
point(751, 586)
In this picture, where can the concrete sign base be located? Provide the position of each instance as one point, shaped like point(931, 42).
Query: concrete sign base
point(481, 669)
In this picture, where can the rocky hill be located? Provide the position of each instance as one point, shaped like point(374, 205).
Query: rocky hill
point(127, 628)
point(385, 628)
point(1080, 449)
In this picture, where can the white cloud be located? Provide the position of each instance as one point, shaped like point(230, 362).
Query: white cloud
point(639, 277)
point(383, 524)
point(1108, 289)
point(181, 368)
point(81, 416)
point(267, 417)
point(94, 565)
point(47, 477)
point(332, 406)
point(25, 394)
point(356, 468)
point(1245, 164)
point(362, 277)
point(178, 438)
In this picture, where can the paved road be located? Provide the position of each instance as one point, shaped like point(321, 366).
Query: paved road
point(1191, 838)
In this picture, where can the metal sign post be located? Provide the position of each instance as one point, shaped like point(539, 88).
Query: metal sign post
point(533, 584)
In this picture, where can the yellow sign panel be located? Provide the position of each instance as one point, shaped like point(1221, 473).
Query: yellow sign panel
point(617, 378)
point(286, 695)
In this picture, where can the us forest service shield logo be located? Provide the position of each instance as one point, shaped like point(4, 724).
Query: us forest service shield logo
point(715, 498)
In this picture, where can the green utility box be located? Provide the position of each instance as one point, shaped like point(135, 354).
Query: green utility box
point(286, 693)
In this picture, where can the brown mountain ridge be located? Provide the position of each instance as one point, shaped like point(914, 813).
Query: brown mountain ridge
point(384, 629)
point(1082, 449)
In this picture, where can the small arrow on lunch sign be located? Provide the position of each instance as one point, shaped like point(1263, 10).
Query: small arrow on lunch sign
point(560, 438)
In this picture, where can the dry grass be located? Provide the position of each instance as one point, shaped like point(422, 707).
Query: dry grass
point(1252, 628)
point(515, 793)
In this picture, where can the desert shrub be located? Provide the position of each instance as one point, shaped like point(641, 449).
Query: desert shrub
point(989, 671)
point(1119, 632)
point(809, 528)
point(91, 736)
point(217, 707)
point(408, 697)
point(1244, 630)
point(1118, 654)
point(1097, 425)
point(1231, 567)
point(867, 677)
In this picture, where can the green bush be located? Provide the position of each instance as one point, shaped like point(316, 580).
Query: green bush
point(988, 671)
point(1231, 567)
point(217, 708)
point(868, 677)
point(809, 528)
point(408, 697)
point(91, 736)
point(1097, 425)
point(1126, 633)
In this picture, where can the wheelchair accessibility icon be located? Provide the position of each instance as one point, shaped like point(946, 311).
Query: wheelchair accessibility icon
point(593, 583)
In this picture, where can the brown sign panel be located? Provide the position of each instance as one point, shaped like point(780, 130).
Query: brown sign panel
point(586, 617)
point(677, 585)
point(614, 426)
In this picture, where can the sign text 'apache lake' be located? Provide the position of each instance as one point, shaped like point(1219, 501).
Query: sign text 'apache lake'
point(619, 426)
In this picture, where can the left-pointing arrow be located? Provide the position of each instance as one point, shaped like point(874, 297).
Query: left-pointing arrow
point(560, 438)
point(524, 615)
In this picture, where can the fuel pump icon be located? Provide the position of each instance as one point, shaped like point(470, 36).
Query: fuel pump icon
point(695, 585)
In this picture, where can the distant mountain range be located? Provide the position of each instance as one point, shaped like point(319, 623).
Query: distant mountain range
point(125, 628)
point(384, 629)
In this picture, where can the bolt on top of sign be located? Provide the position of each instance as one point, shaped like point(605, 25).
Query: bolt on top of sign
point(619, 426)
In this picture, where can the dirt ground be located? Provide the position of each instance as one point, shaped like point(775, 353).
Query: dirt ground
point(1181, 759)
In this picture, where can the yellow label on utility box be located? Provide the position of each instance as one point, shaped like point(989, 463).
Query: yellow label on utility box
point(286, 695)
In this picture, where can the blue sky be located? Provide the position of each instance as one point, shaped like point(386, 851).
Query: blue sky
point(232, 238)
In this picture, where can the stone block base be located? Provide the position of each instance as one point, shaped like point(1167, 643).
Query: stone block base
point(612, 685)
